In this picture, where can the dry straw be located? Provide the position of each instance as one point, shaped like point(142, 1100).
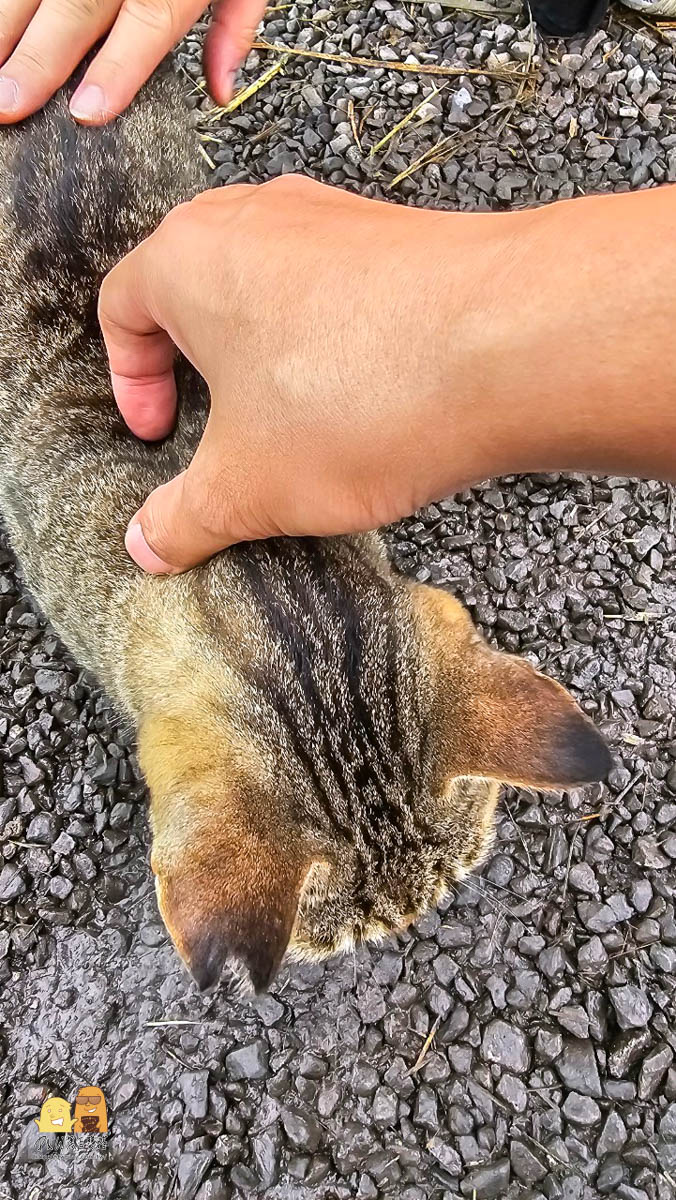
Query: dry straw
point(510, 73)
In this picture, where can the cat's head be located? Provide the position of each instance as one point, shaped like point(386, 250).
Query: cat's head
point(338, 798)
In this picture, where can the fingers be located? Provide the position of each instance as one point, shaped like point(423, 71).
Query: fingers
point(228, 41)
point(14, 18)
point(143, 33)
point(148, 304)
point(166, 536)
point(43, 43)
point(46, 41)
point(48, 47)
point(140, 352)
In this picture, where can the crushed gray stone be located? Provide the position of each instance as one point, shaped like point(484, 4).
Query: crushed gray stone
point(538, 1080)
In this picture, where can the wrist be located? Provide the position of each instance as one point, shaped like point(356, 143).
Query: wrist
point(480, 271)
point(564, 356)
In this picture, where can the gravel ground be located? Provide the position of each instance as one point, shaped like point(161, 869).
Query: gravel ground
point(549, 983)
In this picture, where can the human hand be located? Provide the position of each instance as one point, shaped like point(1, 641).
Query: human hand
point(325, 327)
point(42, 41)
point(365, 358)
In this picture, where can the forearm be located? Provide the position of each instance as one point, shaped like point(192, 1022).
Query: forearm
point(570, 346)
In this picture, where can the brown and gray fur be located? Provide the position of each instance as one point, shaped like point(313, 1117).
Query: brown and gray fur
point(322, 740)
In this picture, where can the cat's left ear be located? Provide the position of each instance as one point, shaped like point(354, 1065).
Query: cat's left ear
point(498, 718)
point(227, 899)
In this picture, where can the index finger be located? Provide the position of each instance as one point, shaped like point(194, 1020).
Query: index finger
point(47, 43)
point(143, 33)
point(140, 352)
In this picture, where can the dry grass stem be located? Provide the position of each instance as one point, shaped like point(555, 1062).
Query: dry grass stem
point(511, 73)
point(425, 1048)
point(215, 114)
point(405, 120)
point(353, 123)
point(477, 7)
point(207, 158)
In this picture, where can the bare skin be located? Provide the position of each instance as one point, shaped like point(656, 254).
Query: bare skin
point(42, 41)
point(364, 359)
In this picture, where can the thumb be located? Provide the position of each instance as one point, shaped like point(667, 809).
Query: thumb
point(168, 534)
point(228, 41)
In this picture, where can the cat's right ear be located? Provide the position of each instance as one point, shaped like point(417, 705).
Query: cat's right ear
point(229, 867)
point(227, 900)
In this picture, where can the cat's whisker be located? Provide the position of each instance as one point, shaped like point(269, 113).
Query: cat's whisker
point(502, 888)
point(499, 904)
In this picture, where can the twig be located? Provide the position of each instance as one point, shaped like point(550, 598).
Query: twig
point(404, 121)
point(641, 618)
point(559, 1161)
point(478, 1087)
point(576, 820)
point(425, 1048)
point(172, 1183)
point(475, 6)
point(635, 949)
point(472, 885)
point(209, 161)
point(569, 864)
point(181, 1062)
point(365, 118)
point(447, 147)
point(510, 73)
point(246, 93)
point(632, 783)
point(353, 123)
point(521, 838)
point(157, 1024)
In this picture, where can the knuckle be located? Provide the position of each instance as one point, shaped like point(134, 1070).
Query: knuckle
point(208, 198)
point(288, 183)
point(31, 60)
point(175, 219)
point(81, 8)
point(155, 531)
point(288, 189)
point(154, 14)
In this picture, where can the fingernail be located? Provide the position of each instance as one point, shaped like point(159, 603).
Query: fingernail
point(89, 103)
point(9, 94)
point(138, 549)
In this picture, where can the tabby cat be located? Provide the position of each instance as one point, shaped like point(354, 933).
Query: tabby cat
point(322, 740)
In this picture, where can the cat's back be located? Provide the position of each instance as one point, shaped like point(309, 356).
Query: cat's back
point(75, 200)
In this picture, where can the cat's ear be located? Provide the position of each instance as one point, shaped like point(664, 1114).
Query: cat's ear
point(501, 718)
point(229, 868)
point(226, 898)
